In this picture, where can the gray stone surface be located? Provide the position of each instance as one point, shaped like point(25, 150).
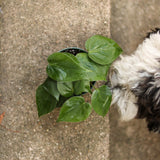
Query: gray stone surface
point(130, 21)
point(30, 31)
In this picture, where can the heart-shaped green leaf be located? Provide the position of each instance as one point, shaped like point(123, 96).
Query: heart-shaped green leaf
point(75, 109)
point(96, 71)
point(65, 88)
point(65, 67)
point(81, 87)
point(45, 101)
point(101, 100)
point(51, 87)
point(102, 50)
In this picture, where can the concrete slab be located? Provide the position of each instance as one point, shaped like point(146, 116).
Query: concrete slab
point(30, 31)
point(130, 21)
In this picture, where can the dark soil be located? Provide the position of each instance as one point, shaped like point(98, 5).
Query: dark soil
point(73, 50)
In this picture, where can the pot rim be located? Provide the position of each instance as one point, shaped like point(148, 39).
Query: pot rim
point(75, 48)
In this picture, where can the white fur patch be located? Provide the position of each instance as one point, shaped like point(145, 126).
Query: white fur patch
point(129, 70)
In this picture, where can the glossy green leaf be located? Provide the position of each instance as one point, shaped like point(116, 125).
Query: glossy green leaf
point(65, 88)
point(51, 87)
point(102, 50)
point(45, 101)
point(75, 109)
point(65, 67)
point(96, 71)
point(101, 100)
point(81, 87)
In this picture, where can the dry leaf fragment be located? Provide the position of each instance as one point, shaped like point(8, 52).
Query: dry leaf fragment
point(1, 117)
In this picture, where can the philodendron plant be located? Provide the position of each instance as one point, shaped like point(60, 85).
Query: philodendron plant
point(70, 76)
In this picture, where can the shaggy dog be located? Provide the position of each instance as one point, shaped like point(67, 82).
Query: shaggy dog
point(135, 82)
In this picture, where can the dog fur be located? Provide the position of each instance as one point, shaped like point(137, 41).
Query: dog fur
point(135, 82)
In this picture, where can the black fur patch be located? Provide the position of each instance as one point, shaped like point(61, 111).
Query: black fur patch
point(148, 104)
point(152, 32)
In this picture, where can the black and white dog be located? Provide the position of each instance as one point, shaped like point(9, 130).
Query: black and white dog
point(135, 82)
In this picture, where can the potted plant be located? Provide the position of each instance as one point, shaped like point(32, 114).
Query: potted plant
point(73, 73)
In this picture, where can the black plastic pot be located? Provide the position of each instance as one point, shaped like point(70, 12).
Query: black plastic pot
point(74, 51)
